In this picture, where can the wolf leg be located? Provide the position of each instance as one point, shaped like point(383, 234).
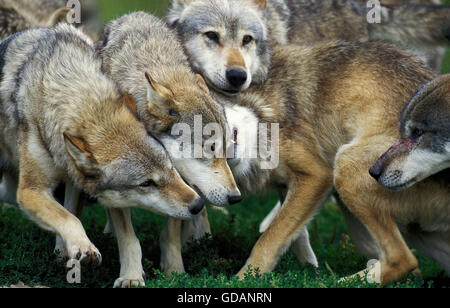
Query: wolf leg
point(195, 228)
point(72, 204)
point(301, 246)
point(370, 203)
point(308, 189)
point(131, 271)
point(364, 242)
point(35, 198)
point(434, 245)
point(171, 245)
point(8, 188)
point(303, 250)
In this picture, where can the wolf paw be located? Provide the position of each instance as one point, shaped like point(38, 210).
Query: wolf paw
point(130, 282)
point(85, 252)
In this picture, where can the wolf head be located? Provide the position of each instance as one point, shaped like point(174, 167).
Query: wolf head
point(120, 164)
point(226, 40)
point(183, 105)
point(424, 148)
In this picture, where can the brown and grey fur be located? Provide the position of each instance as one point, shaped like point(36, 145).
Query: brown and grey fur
point(63, 120)
point(14, 19)
point(146, 59)
point(424, 147)
point(38, 12)
point(338, 106)
point(276, 24)
point(420, 28)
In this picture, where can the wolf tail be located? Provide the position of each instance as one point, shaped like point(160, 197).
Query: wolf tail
point(413, 24)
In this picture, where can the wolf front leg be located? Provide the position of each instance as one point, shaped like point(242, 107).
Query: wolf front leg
point(74, 205)
point(307, 192)
point(131, 271)
point(34, 196)
point(175, 235)
point(171, 245)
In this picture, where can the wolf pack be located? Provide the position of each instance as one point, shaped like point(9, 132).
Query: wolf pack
point(362, 113)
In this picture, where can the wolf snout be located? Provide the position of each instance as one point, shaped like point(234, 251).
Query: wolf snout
point(233, 199)
point(196, 207)
point(237, 77)
point(376, 171)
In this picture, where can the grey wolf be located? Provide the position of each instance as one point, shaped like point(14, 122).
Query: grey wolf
point(230, 46)
point(63, 120)
point(424, 147)
point(144, 57)
point(334, 126)
point(13, 19)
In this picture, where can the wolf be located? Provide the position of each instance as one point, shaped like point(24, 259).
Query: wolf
point(13, 20)
point(424, 147)
point(63, 120)
point(230, 46)
point(248, 30)
point(334, 125)
point(145, 58)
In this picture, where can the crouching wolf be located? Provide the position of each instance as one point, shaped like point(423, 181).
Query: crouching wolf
point(424, 147)
point(146, 59)
point(334, 124)
point(63, 120)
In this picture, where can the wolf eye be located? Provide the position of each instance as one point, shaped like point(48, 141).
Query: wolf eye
point(148, 183)
point(213, 36)
point(247, 40)
point(416, 133)
point(172, 113)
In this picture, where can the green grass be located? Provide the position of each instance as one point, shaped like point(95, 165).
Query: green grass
point(26, 250)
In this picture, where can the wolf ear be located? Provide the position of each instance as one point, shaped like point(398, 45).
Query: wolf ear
point(176, 10)
point(202, 83)
point(158, 88)
point(59, 16)
point(261, 3)
point(78, 149)
point(130, 102)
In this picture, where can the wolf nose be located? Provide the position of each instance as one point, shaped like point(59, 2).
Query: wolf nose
point(237, 77)
point(197, 206)
point(234, 199)
point(375, 172)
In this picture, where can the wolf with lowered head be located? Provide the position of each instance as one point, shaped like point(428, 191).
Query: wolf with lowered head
point(63, 120)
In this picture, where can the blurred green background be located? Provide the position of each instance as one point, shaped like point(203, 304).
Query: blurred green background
point(114, 8)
